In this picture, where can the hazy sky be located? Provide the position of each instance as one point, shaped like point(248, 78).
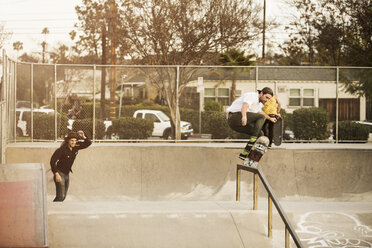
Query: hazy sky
point(26, 19)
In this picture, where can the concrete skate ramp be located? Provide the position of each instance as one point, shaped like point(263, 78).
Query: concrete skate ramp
point(203, 172)
point(23, 219)
point(141, 195)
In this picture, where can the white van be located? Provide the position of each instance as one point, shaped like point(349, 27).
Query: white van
point(23, 114)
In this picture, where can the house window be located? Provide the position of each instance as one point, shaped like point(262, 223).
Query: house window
point(221, 95)
point(301, 97)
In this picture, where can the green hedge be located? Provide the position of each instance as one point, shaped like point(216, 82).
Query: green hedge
point(86, 125)
point(131, 128)
point(213, 106)
point(287, 119)
point(44, 126)
point(215, 123)
point(348, 130)
point(191, 116)
point(310, 123)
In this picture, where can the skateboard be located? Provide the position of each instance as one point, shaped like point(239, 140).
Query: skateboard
point(278, 132)
point(258, 150)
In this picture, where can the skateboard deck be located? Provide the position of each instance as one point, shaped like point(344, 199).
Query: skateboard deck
point(278, 132)
point(258, 150)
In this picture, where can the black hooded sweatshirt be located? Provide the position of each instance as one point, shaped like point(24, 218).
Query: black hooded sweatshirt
point(63, 158)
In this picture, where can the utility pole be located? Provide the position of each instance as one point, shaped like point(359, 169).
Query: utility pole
point(113, 61)
point(263, 33)
point(103, 75)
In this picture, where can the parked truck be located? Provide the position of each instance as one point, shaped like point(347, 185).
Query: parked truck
point(162, 125)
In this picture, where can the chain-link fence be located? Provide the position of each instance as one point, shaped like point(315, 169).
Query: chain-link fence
point(7, 102)
point(188, 103)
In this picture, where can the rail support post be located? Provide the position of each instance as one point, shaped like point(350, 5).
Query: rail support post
point(238, 172)
point(270, 219)
point(255, 181)
point(286, 238)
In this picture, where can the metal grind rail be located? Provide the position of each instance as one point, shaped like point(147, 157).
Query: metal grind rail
point(289, 230)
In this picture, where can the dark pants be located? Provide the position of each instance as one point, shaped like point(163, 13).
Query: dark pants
point(254, 125)
point(268, 129)
point(61, 187)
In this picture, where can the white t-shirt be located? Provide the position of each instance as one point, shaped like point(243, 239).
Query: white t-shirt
point(251, 98)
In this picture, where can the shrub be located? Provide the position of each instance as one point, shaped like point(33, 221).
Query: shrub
point(215, 123)
point(213, 106)
point(86, 125)
point(44, 126)
point(348, 130)
point(87, 112)
point(191, 116)
point(131, 128)
point(287, 120)
point(310, 123)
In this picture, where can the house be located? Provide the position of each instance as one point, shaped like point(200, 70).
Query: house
point(295, 88)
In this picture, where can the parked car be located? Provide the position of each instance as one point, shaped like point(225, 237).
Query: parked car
point(162, 125)
point(24, 114)
point(369, 125)
point(25, 104)
point(71, 122)
point(288, 135)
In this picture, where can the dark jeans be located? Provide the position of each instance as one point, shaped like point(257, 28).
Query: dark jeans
point(61, 187)
point(268, 129)
point(254, 125)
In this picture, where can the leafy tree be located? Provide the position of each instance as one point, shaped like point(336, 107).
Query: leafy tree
point(25, 57)
point(341, 32)
point(45, 31)
point(302, 32)
point(60, 55)
point(17, 46)
point(98, 32)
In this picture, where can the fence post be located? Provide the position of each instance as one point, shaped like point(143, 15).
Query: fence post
point(337, 81)
point(177, 107)
point(15, 101)
point(94, 103)
point(32, 102)
point(256, 82)
point(55, 104)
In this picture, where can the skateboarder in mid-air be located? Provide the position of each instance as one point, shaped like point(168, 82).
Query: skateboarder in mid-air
point(272, 109)
point(245, 115)
point(62, 160)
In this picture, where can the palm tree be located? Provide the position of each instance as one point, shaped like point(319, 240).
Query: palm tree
point(17, 46)
point(235, 57)
point(45, 31)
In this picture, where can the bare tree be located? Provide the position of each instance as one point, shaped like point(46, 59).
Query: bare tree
point(4, 35)
point(186, 32)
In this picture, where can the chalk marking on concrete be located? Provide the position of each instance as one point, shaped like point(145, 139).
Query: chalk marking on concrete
point(315, 233)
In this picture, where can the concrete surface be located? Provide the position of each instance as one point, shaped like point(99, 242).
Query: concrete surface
point(183, 195)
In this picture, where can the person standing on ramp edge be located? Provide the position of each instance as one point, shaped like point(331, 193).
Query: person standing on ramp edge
point(245, 115)
point(63, 159)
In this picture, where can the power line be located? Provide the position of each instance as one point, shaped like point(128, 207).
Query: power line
point(39, 20)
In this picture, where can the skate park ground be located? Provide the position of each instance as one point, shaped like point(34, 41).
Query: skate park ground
point(183, 195)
